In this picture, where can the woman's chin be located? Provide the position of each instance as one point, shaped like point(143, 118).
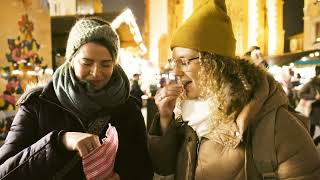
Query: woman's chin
point(191, 93)
point(98, 87)
point(190, 96)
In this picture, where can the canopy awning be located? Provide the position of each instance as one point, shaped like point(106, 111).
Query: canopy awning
point(308, 62)
point(299, 58)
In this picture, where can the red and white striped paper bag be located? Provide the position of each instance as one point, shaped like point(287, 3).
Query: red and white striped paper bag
point(99, 163)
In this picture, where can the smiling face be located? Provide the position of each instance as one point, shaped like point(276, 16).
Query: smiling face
point(93, 63)
point(189, 75)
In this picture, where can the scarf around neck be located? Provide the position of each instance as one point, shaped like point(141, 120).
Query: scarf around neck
point(86, 103)
point(196, 113)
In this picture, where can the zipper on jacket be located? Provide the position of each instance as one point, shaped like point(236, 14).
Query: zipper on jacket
point(78, 119)
point(198, 144)
point(197, 155)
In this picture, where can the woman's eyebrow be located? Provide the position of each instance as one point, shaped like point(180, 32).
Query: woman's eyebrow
point(107, 60)
point(89, 59)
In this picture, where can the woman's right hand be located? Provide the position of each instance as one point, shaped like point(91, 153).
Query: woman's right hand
point(165, 100)
point(84, 143)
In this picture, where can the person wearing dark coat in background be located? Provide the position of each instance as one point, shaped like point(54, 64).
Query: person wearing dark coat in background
point(135, 90)
point(311, 93)
point(59, 124)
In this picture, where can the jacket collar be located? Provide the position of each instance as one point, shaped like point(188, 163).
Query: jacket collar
point(268, 97)
point(49, 94)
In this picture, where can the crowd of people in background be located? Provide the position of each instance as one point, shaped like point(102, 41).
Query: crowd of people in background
point(308, 99)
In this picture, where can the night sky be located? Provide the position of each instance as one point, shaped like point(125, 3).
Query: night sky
point(292, 19)
point(136, 6)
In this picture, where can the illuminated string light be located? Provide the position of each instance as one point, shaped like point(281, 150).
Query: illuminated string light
point(127, 17)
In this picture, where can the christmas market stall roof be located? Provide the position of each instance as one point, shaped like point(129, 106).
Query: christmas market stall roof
point(310, 57)
point(124, 23)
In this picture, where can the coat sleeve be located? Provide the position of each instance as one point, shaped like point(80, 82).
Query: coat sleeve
point(296, 153)
point(134, 161)
point(164, 148)
point(25, 154)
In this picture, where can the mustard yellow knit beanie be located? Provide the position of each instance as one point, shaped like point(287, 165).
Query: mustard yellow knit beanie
point(207, 29)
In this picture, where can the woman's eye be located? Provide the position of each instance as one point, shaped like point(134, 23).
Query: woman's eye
point(184, 63)
point(107, 64)
point(86, 63)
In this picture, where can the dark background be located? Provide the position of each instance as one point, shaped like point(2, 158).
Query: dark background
point(292, 19)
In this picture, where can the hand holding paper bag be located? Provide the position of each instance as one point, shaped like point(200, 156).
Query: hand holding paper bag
point(99, 163)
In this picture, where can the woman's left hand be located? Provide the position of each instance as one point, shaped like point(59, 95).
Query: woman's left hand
point(115, 176)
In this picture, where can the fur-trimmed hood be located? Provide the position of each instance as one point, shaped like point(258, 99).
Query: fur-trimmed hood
point(268, 97)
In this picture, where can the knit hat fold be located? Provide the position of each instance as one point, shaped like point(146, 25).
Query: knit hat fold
point(207, 29)
point(88, 29)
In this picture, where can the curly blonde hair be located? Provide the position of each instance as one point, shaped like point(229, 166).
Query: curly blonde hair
point(228, 84)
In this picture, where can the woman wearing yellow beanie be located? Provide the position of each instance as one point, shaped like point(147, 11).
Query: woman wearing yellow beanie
point(227, 119)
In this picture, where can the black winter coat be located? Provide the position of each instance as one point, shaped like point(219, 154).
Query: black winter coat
point(33, 149)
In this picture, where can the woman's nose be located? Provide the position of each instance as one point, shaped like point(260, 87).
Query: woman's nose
point(178, 70)
point(95, 70)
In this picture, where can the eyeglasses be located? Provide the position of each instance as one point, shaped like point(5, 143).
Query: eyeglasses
point(181, 62)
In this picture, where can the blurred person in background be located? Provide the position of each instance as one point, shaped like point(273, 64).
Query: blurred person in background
point(254, 54)
point(310, 102)
point(135, 89)
point(63, 122)
point(291, 85)
point(225, 118)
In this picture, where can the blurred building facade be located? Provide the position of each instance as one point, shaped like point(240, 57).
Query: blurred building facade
point(296, 43)
point(305, 46)
point(311, 24)
point(72, 7)
point(255, 23)
point(310, 38)
point(304, 52)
